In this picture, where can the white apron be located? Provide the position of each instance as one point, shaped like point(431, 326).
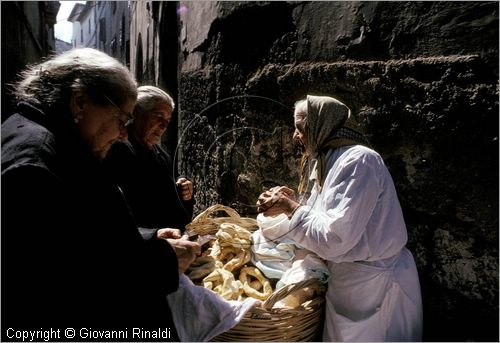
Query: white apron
point(374, 303)
point(356, 224)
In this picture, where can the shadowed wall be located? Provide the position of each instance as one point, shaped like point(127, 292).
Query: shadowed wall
point(422, 80)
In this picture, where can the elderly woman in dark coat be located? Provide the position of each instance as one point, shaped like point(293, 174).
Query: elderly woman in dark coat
point(71, 252)
point(160, 200)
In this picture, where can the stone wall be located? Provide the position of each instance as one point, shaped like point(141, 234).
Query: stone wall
point(422, 80)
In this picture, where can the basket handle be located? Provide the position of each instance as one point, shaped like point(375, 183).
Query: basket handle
point(284, 291)
point(229, 211)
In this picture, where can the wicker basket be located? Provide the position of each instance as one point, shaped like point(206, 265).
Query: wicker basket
point(206, 223)
point(301, 324)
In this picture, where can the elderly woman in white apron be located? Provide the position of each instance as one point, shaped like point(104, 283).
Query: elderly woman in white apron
point(353, 220)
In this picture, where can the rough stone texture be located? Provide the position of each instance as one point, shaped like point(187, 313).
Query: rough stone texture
point(422, 80)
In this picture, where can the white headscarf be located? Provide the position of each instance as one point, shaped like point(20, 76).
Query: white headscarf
point(328, 125)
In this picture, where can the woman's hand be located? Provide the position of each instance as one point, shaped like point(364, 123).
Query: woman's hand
point(277, 200)
point(288, 192)
point(168, 233)
point(186, 251)
point(186, 188)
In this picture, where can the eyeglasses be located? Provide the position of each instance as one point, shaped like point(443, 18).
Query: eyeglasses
point(123, 122)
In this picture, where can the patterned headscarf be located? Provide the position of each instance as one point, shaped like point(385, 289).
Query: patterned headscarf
point(328, 125)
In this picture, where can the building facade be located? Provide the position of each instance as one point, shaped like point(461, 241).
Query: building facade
point(103, 25)
point(83, 18)
point(62, 46)
point(27, 37)
point(154, 51)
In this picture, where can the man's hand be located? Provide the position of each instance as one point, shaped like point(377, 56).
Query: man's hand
point(185, 188)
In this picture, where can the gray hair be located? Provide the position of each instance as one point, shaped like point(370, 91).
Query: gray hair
point(150, 96)
point(301, 108)
point(51, 83)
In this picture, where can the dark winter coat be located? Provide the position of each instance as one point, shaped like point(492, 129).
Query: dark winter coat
point(71, 252)
point(147, 178)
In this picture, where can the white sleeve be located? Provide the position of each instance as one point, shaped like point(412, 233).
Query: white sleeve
point(335, 226)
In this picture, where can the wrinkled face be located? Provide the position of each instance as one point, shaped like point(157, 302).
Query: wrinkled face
point(300, 135)
point(102, 125)
point(151, 125)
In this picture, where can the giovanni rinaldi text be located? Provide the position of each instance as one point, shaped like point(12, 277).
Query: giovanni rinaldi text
point(47, 335)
